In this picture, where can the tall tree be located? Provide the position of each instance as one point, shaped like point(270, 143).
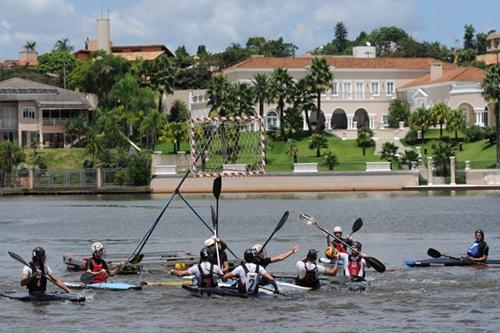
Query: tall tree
point(219, 96)
point(456, 122)
point(319, 78)
point(469, 42)
point(159, 75)
point(11, 155)
point(62, 45)
point(440, 113)
point(421, 120)
point(303, 100)
point(244, 97)
point(60, 63)
point(340, 40)
point(317, 142)
point(491, 92)
point(262, 87)
point(151, 127)
point(178, 112)
point(281, 90)
point(30, 45)
point(399, 110)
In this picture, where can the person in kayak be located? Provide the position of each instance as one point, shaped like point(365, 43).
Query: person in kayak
point(308, 271)
point(336, 242)
point(354, 264)
point(210, 243)
point(250, 273)
point(98, 267)
point(478, 251)
point(35, 276)
point(263, 260)
point(206, 273)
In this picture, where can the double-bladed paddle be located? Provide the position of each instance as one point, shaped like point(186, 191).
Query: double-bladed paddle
point(436, 254)
point(216, 190)
point(20, 259)
point(356, 225)
point(372, 261)
point(281, 223)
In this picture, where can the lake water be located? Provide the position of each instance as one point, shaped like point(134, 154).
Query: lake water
point(397, 226)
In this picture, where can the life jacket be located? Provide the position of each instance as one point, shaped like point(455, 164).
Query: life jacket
point(339, 246)
point(39, 284)
point(101, 277)
point(309, 279)
point(251, 285)
point(207, 280)
point(354, 266)
point(475, 249)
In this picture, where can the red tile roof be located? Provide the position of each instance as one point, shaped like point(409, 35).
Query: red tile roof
point(473, 74)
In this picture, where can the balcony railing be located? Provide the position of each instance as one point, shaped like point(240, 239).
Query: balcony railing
point(55, 121)
point(8, 123)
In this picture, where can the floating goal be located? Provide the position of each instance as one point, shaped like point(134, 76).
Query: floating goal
point(227, 146)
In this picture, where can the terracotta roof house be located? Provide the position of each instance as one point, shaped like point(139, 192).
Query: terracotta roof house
point(32, 110)
point(26, 58)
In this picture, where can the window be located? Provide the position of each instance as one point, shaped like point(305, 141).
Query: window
point(389, 88)
point(29, 113)
point(335, 88)
point(360, 90)
point(272, 120)
point(385, 120)
point(375, 89)
point(347, 90)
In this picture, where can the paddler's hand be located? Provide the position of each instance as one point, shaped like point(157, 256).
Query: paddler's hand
point(276, 291)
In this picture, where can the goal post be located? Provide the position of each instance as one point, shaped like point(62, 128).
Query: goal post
point(227, 146)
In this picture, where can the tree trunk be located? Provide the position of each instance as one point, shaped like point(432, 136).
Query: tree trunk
point(364, 151)
point(261, 108)
point(160, 101)
point(318, 112)
point(318, 153)
point(440, 129)
point(281, 106)
point(295, 159)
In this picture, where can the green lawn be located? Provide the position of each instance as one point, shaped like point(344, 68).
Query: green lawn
point(60, 158)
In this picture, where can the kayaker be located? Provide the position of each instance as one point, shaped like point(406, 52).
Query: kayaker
point(210, 244)
point(206, 273)
point(263, 260)
point(34, 276)
point(336, 243)
point(308, 272)
point(478, 251)
point(354, 264)
point(98, 267)
point(250, 273)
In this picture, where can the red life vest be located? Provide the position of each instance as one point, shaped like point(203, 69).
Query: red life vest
point(354, 266)
point(101, 277)
point(339, 246)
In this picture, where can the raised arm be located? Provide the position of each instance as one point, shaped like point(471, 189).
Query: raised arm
point(286, 254)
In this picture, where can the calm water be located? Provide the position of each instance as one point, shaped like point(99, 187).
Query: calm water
point(397, 226)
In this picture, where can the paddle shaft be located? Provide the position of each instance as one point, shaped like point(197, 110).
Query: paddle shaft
point(278, 227)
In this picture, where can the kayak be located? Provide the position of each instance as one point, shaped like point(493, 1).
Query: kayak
point(441, 262)
point(117, 286)
point(46, 297)
point(340, 282)
point(202, 291)
point(166, 283)
point(284, 285)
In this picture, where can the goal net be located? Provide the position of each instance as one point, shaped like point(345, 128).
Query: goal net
point(227, 146)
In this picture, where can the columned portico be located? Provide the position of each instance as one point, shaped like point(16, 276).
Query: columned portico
point(372, 121)
point(350, 119)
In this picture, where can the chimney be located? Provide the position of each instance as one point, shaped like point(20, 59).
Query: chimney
point(436, 71)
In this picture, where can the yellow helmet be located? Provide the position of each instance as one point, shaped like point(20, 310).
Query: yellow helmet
point(331, 253)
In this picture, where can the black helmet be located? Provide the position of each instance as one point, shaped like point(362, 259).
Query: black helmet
point(249, 255)
point(312, 254)
point(205, 253)
point(38, 252)
point(357, 245)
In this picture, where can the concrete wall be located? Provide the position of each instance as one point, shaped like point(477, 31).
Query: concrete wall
point(483, 177)
point(318, 182)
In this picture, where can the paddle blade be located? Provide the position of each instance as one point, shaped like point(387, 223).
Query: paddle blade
point(17, 257)
point(307, 219)
point(376, 264)
point(214, 217)
point(86, 277)
point(434, 253)
point(282, 222)
point(136, 259)
point(357, 225)
point(217, 187)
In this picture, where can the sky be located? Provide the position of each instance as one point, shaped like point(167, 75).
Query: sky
point(218, 23)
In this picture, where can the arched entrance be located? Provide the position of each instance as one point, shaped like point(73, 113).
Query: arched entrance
point(468, 110)
point(361, 116)
point(339, 119)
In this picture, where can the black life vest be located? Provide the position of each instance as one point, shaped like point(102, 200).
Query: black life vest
point(255, 284)
point(207, 280)
point(309, 279)
point(39, 284)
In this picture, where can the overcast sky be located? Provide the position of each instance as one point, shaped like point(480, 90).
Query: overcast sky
point(217, 23)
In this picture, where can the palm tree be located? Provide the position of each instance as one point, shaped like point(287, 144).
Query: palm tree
point(175, 133)
point(319, 78)
point(389, 151)
point(364, 139)
point(94, 142)
point(262, 87)
point(441, 156)
point(293, 150)
point(303, 100)
point(456, 122)
point(159, 75)
point(30, 45)
point(10, 156)
point(421, 120)
point(408, 157)
point(281, 90)
point(219, 96)
point(330, 158)
point(491, 92)
point(317, 142)
point(62, 45)
point(152, 125)
point(244, 95)
point(440, 113)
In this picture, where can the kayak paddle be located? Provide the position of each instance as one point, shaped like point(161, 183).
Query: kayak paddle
point(20, 259)
point(216, 190)
point(356, 225)
point(281, 223)
point(214, 223)
point(372, 261)
point(436, 254)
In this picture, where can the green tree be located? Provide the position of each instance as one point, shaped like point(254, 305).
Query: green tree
point(59, 63)
point(62, 45)
point(182, 57)
point(456, 122)
point(193, 77)
point(441, 156)
point(330, 158)
point(399, 110)
point(293, 120)
point(421, 120)
point(262, 87)
point(340, 40)
point(94, 142)
point(233, 54)
point(317, 142)
point(139, 168)
point(151, 126)
point(388, 152)
point(364, 139)
point(491, 92)
point(11, 155)
point(440, 113)
point(293, 150)
point(281, 90)
point(409, 157)
point(244, 96)
point(219, 96)
point(178, 112)
point(174, 133)
point(160, 76)
point(303, 100)
point(319, 78)
point(76, 129)
point(469, 42)
point(481, 42)
point(30, 45)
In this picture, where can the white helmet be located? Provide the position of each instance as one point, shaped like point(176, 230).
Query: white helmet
point(96, 247)
point(257, 247)
point(337, 229)
point(210, 241)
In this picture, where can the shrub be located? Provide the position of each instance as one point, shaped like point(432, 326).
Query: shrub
point(411, 137)
point(120, 177)
point(422, 180)
point(474, 133)
point(139, 168)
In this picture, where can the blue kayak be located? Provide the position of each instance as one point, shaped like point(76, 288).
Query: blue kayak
point(441, 262)
point(116, 286)
point(45, 297)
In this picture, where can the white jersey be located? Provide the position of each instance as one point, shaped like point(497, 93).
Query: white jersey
point(300, 267)
point(250, 280)
point(348, 266)
point(28, 271)
point(205, 266)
